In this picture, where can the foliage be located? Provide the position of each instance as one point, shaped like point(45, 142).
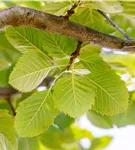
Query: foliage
point(92, 84)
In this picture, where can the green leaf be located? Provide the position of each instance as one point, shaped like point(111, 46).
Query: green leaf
point(28, 144)
point(4, 78)
point(106, 6)
point(92, 19)
point(35, 114)
point(93, 62)
point(91, 48)
point(4, 105)
point(81, 133)
point(58, 45)
point(99, 120)
point(111, 94)
point(100, 143)
point(7, 51)
point(126, 22)
point(7, 129)
point(120, 120)
point(30, 4)
point(66, 139)
point(5, 143)
point(74, 95)
point(63, 121)
point(25, 38)
point(57, 140)
point(3, 64)
point(57, 8)
point(30, 71)
point(126, 118)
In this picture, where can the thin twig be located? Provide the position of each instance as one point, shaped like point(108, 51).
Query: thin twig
point(74, 55)
point(11, 106)
point(115, 25)
point(71, 11)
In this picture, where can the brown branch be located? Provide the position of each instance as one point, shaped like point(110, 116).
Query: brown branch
point(20, 16)
point(74, 55)
point(71, 11)
point(114, 25)
point(6, 91)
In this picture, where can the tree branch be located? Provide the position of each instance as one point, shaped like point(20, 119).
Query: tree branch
point(115, 25)
point(20, 16)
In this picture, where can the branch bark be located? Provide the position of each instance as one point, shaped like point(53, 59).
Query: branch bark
point(20, 16)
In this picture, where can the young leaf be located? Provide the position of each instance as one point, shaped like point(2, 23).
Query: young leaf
point(7, 130)
point(30, 71)
point(58, 45)
point(111, 94)
point(74, 95)
point(35, 114)
point(25, 38)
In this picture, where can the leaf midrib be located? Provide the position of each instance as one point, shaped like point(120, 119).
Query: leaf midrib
point(37, 71)
point(43, 101)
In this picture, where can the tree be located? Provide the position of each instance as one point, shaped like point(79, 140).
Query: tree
point(54, 68)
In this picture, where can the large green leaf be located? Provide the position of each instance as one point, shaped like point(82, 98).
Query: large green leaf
point(7, 129)
point(30, 71)
point(93, 62)
point(58, 45)
point(5, 143)
point(74, 95)
point(92, 19)
point(111, 94)
point(106, 6)
point(35, 114)
point(25, 38)
point(91, 48)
